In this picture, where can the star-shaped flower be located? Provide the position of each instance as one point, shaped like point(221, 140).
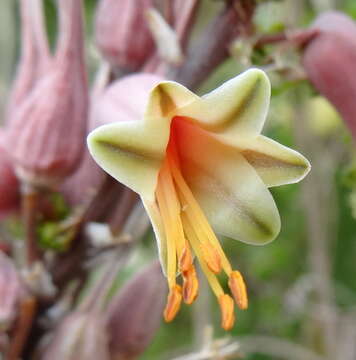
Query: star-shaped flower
point(200, 163)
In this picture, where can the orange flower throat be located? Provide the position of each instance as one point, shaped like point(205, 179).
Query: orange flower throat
point(187, 229)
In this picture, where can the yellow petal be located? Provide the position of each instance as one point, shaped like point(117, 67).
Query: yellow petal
point(132, 151)
point(166, 98)
point(232, 195)
point(156, 221)
point(275, 164)
point(236, 109)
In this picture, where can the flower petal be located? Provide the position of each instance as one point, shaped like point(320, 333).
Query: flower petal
point(132, 151)
point(166, 98)
point(236, 109)
point(232, 195)
point(275, 164)
point(156, 221)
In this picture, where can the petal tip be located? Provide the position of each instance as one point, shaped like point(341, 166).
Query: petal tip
point(257, 75)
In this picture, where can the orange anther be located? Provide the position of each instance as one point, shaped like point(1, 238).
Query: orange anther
point(190, 285)
point(227, 311)
point(238, 289)
point(186, 259)
point(173, 303)
point(211, 257)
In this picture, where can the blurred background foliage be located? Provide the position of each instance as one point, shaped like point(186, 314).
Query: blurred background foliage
point(280, 275)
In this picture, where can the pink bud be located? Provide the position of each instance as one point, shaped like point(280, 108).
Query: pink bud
point(122, 34)
point(46, 135)
point(329, 59)
point(81, 335)
point(11, 290)
point(134, 315)
point(124, 99)
point(9, 187)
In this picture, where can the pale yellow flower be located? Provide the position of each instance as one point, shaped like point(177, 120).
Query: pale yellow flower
point(200, 163)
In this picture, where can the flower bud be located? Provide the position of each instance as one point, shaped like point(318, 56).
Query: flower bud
point(11, 290)
point(122, 33)
point(124, 99)
point(46, 134)
point(134, 315)
point(9, 187)
point(329, 59)
point(81, 335)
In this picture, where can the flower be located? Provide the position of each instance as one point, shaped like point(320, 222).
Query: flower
point(200, 163)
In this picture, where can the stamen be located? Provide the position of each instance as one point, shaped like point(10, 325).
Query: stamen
point(190, 285)
point(194, 212)
point(211, 257)
point(173, 303)
point(213, 281)
point(173, 211)
point(227, 311)
point(185, 259)
point(169, 227)
point(238, 289)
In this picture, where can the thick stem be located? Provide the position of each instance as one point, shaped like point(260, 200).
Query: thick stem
point(209, 51)
point(101, 203)
point(30, 199)
point(22, 329)
point(127, 202)
point(184, 20)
